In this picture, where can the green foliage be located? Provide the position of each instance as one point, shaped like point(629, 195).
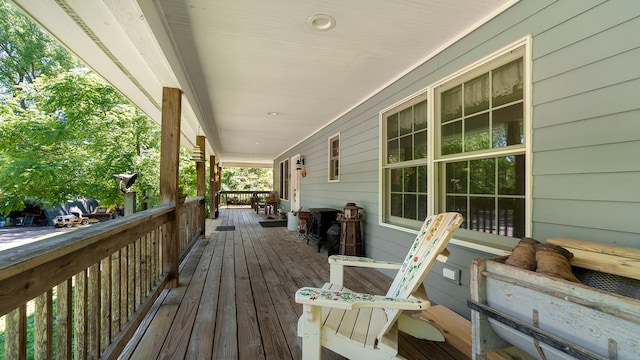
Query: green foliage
point(239, 179)
point(187, 177)
point(65, 132)
point(76, 133)
point(26, 51)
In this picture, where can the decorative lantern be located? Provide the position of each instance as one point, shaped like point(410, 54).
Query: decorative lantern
point(351, 211)
point(197, 155)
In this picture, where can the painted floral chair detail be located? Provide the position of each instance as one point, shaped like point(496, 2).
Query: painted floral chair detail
point(365, 326)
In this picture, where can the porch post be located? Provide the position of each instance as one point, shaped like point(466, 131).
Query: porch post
point(169, 162)
point(201, 186)
point(218, 187)
point(213, 207)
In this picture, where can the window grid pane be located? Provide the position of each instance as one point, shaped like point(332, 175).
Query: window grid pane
point(408, 195)
point(472, 191)
point(484, 122)
point(407, 134)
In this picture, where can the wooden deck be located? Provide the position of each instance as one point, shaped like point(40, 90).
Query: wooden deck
point(236, 298)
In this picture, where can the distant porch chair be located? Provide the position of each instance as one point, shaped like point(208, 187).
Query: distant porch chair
point(257, 202)
point(271, 203)
point(268, 203)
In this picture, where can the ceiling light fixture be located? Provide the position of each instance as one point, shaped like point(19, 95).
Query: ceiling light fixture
point(321, 22)
point(272, 113)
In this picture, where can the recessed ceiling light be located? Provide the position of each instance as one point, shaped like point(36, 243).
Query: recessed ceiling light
point(272, 113)
point(321, 22)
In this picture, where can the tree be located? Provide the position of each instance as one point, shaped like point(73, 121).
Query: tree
point(247, 179)
point(65, 132)
point(27, 52)
point(76, 133)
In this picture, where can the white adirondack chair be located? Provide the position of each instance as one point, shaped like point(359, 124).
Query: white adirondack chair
point(365, 326)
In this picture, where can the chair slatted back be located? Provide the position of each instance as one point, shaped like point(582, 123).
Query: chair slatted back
point(432, 239)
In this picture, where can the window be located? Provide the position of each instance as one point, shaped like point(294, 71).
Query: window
point(284, 179)
point(405, 163)
point(481, 153)
point(465, 152)
point(334, 158)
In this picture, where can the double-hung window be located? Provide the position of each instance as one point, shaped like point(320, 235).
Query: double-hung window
point(334, 157)
point(476, 163)
point(405, 163)
point(481, 149)
point(284, 179)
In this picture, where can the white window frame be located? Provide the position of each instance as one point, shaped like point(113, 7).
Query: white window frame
point(474, 239)
point(331, 158)
point(386, 217)
point(285, 179)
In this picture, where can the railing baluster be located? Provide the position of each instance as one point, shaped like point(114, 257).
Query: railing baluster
point(42, 324)
point(80, 315)
point(105, 303)
point(152, 271)
point(93, 312)
point(124, 285)
point(63, 320)
point(137, 283)
point(115, 295)
point(15, 336)
point(131, 272)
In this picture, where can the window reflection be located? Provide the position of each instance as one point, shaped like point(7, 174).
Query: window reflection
point(408, 187)
point(471, 191)
point(476, 133)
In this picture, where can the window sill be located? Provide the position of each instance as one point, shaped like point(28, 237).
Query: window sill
point(472, 244)
point(482, 246)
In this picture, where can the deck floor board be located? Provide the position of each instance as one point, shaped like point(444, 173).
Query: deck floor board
point(236, 298)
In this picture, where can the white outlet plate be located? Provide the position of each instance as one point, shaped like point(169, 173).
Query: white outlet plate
point(451, 274)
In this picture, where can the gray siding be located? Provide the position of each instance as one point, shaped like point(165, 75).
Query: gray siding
point(586, 131)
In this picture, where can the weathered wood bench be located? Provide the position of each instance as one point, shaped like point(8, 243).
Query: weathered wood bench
point(554, 318)
point(612, 259)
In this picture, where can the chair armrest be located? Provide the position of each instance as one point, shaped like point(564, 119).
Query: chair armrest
point(360, 261)
point(349, 300)
point(338, 262)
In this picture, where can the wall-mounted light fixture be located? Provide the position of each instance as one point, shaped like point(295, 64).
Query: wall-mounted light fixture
point(300, 166)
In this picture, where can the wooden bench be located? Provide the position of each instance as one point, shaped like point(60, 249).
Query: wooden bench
point(514, 306)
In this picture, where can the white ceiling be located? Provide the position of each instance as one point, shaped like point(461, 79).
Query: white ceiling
point(238, 60)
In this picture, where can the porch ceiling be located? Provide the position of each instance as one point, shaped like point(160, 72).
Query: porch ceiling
point(236, 61)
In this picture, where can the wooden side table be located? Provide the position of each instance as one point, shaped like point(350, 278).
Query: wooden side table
point(351, 237)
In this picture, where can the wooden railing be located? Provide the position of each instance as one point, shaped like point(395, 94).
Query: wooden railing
point(239, 197)
point(92, 285)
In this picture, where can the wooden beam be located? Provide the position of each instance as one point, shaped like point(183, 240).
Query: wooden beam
point(169, 161)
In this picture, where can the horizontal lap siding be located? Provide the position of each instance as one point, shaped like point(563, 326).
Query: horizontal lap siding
point(585, 121)
point(586, 109)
